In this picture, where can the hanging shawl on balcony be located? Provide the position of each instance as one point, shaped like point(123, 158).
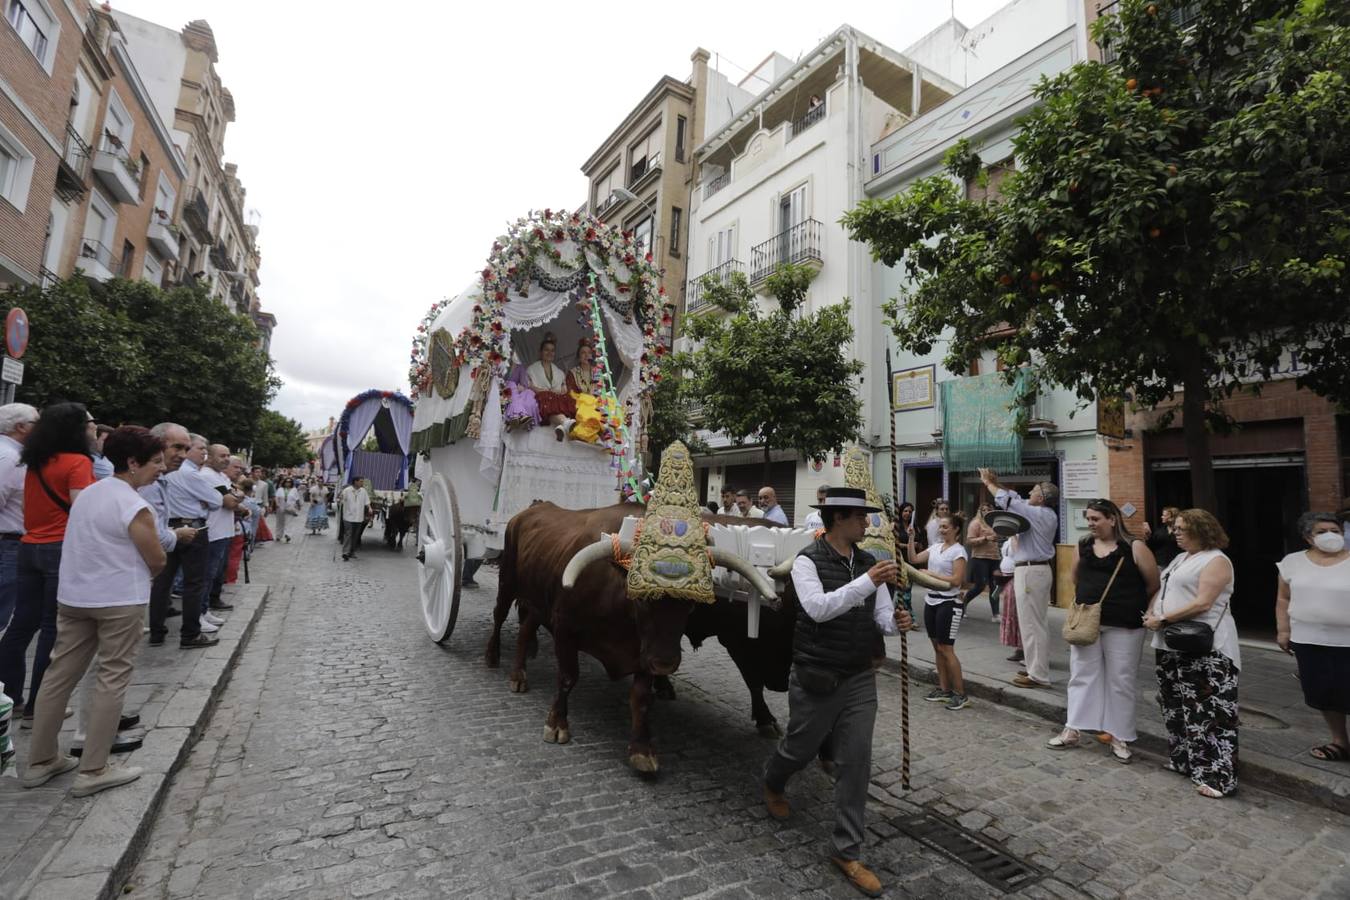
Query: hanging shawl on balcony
point(980, 422)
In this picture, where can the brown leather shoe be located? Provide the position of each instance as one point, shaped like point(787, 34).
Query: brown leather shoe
point(859, 876)
point(776, 804)
point(1023, 681)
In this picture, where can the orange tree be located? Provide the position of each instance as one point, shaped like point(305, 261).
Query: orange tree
point(1178, 219)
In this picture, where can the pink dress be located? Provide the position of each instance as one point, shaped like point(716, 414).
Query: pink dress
point(521, 405)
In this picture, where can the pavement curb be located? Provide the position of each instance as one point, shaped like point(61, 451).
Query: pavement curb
point(1260, 770)
point(99, 855)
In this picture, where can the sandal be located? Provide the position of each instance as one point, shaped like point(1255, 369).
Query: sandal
point(1121, 751)
point(1330, 753)
point(1064, 740)
point(1205, 790)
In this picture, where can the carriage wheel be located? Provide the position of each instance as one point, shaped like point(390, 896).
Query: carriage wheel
point(441, 557)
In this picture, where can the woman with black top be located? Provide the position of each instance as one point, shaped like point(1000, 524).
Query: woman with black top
point(1120, 573)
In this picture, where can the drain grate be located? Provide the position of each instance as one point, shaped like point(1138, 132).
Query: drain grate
point(980, 855)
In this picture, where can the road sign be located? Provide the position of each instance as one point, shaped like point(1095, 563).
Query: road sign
point(11, 371)
point(16, 333)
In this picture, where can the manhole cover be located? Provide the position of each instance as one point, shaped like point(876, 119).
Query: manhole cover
point(984, 857)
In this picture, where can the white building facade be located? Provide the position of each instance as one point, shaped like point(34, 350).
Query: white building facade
point(1061, 445)
point(773, 183)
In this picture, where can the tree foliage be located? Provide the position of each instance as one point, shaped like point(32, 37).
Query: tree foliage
point(672, 419)
point(279, 441)
point(134, 353)
point(781, 378)
point(1178, 219)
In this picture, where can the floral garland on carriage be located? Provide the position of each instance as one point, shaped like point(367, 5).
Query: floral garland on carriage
point(559, 251)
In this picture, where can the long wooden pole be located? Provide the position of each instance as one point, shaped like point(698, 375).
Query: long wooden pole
point(904, 633)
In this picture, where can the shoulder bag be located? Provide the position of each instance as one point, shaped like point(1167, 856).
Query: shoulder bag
point(63, 505)
point(1084, 625)
point(1189, 635)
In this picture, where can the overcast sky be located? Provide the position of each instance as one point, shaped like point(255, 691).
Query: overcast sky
point(386, 145)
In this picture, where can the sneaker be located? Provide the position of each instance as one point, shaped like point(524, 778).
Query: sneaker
point(206, 626)
point(938, 695)
point(36, 776)
point(213, 619)
point(111, 776)
point(201, 640)
point(996, 618)
point(957, 701)
point(217, 604)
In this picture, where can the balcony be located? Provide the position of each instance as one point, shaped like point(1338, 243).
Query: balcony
point(119, 175)
point(716, 184)
point(642, 168)
point(694, 299)
point(1181, 17)
point(163, 236)
point(798, 244)
point(605, 204)
point(96, 260)
point(72, 173)
point(240, 298)
point(813, 115)
point(220, 257)
point(197, 215)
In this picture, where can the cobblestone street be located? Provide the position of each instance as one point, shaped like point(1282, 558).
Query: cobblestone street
point(352, 757)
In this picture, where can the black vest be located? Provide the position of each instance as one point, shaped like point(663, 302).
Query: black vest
point(844, 643)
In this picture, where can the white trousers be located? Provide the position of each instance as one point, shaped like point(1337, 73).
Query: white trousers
point(1032, 585)
point(1104, 682)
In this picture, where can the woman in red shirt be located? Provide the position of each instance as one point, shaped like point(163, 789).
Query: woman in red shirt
point(60, 465)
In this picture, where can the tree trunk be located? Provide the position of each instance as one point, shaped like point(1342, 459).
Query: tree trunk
point(1197, 438)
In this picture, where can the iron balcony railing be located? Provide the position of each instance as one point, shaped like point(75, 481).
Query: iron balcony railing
point(77, 153)
point(197, 214)
point(800, 243)
point(91, 249)
point(716, 184)
point(812, 116)
point(643, 166)
point(220, 257)
point(720, 274)
point(1181, 17)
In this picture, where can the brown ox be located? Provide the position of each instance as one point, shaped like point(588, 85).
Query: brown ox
point(545, 546)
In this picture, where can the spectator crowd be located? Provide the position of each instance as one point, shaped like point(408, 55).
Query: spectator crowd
point(108, 534)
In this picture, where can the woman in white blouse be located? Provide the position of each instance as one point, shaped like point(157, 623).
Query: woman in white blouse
point(944, 610)
point(1312, 614)
point(1198, 692)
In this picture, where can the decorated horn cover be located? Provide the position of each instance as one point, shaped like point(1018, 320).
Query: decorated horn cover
point(671, 556)
point(879, 539)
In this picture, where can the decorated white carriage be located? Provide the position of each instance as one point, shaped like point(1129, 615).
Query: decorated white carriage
point(558, 275)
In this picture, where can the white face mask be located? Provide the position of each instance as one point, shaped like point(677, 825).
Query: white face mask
point(1329, 542)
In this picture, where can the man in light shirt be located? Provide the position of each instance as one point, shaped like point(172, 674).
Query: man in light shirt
point(218, 474)
point(728, 507)
point(1033, 572)
point(355, 511)
point(768, 501)
point(813, 520)
point(745, 508)
point(16, 422)
point(845, 601)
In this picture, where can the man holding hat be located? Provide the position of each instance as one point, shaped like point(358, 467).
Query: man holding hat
point(1033, 575)
point(843, 601)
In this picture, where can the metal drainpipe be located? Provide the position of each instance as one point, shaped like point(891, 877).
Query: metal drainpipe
point(853, 286)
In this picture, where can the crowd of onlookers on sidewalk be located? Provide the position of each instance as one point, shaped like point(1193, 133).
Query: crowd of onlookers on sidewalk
point(1171, 588)
point(102, 530)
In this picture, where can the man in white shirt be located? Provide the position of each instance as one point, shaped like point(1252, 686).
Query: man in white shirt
point(768, 501)
point(844, 602)
point(813, 520)
point(16, 422)
point(745, 508)
point(728, 507)
point(355, 511)
point(1033, 571)
point(217, 474)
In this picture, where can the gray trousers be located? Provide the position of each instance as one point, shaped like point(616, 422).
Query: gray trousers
point(846, 720)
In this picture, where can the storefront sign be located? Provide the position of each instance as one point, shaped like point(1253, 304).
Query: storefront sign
point(913, 388)
point(1081, 479)
point(1111, 417)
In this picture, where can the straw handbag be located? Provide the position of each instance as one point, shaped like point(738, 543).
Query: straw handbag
point(1084, 624)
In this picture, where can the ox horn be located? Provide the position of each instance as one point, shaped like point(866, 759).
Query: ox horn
point(738, 564)
point(601, 549)
point(783, 569)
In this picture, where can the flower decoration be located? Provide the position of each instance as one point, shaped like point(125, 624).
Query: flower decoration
point(536, 249)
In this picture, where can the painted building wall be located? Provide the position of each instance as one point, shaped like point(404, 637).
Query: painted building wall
point(967, 54)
